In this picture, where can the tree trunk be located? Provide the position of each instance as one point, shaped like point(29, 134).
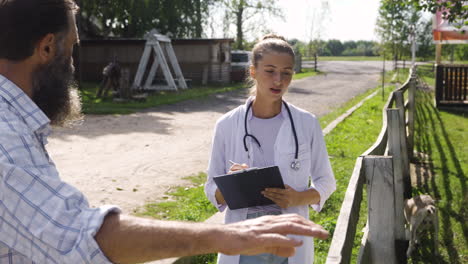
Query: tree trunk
point(240, 36)
point(198, 22)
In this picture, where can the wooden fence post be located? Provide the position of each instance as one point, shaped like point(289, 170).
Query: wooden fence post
point(439, 85)
point(381, 209)
point(400, 105)
point(411, 110)
point(395, 150)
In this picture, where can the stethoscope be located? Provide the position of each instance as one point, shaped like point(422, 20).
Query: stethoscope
point(295, 164)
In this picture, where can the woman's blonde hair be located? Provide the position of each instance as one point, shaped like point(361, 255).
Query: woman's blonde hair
point(267, 44)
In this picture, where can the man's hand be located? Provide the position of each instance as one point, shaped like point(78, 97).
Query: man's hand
point(289, 197)
point(267, 234)
point(128, 239)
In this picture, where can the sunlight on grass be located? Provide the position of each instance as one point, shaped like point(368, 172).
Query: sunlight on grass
point(93, 105)
point(441, 137)
point(346, 58)
point(306, 72)
point(349, 140)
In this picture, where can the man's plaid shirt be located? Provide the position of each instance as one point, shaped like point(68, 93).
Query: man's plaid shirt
point(42, 218)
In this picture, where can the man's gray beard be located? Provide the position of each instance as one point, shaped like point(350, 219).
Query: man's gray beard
point(55, 92)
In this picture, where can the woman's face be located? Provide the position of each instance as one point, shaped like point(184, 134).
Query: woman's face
point(273, 74)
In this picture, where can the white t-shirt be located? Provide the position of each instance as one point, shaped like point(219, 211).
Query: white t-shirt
point(266, 131)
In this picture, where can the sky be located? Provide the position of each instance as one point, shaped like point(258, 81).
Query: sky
point(346, 20)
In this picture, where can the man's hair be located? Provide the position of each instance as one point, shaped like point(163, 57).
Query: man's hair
point(25, 22)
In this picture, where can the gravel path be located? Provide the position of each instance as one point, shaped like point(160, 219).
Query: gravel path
point(131, 159)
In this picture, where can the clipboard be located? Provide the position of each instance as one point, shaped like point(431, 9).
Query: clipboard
point(243, 188)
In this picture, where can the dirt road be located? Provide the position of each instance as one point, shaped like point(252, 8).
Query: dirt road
point(131, 159)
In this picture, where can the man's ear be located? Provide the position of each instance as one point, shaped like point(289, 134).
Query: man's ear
point(252, 71)
point(46, 48)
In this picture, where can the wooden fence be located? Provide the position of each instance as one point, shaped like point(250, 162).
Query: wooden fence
point(384, 169)
point(451, 85)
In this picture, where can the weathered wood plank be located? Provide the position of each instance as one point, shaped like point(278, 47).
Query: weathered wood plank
point(152, 73)
point(395, 151)
point(142, 67)
point(364, 251)
point(403, 143)
point(175, 65)
point(381, 216)
point(343, 238)
point(164, 66)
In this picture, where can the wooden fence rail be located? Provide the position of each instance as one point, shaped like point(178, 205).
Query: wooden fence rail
point(384, 169)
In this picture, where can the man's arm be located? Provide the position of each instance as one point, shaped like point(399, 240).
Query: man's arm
point(126, 239)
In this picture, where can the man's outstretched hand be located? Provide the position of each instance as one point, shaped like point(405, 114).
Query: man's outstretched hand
point(267, 234)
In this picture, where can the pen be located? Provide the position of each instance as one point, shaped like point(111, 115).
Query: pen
point(232, 162)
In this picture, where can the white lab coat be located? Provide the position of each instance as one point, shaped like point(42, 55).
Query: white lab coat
point(313, 157)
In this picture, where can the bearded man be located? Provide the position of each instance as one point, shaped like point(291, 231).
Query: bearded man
point(45, 220)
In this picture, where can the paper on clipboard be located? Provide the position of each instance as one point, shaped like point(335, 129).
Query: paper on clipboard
point(243, 189)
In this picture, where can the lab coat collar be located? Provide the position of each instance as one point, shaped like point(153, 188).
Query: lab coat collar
point(284, 112)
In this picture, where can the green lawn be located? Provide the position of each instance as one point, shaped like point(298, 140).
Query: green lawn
point(345, 58)
point(306, 72)
point(442, 137)
point(345, 143)
point(349, 140)
point(439, 134)
point(93, 105)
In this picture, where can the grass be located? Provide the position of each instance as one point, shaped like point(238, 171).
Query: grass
point(187, 203)
point(349, 140)
point(345, 58)
point(344, 144)
point(442, 136)
point(439, 134)
point(93, 105)
point(306, 72)
point(106, 106)
point(326, 119)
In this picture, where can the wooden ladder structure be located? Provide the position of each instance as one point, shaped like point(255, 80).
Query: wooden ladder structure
point(159, 43)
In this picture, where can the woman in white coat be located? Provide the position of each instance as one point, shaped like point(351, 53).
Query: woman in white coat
point(267, 131)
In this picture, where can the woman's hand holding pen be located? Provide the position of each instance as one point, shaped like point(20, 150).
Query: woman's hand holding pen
point(234, 167)
point(289, 197)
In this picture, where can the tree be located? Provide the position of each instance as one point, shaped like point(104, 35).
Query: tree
point(335, 47)
point(317, 28)
point(123, 18)
point(426, 47)
point(452, 10)
point(394, 24)
point(241, 11)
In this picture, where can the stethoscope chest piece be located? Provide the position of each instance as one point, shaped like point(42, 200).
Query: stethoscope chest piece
point(295, 165)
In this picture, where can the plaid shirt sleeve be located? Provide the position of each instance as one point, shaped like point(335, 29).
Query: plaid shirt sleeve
point(42, 219)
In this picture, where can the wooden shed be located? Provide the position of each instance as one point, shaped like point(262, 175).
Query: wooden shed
point(201, 60)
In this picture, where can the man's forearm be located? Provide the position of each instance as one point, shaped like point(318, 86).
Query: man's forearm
point(126, 239)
